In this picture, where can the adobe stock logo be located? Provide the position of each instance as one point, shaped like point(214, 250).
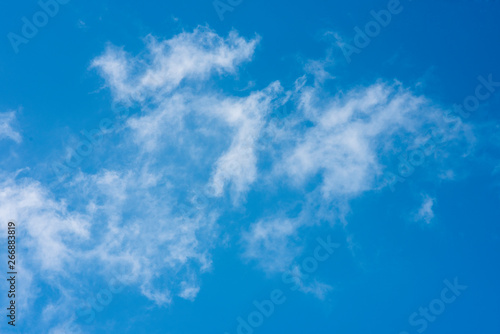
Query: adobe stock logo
point(435, 138)
point(292, 278)
point(436, 307)
point(92, 139)
point(372, 29)
point(88, 311)
point(221, 7)
point(29, 30)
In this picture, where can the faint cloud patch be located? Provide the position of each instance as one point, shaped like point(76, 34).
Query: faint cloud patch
point(7, 127)
point(426, 212)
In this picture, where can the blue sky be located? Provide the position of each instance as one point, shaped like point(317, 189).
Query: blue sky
point(251, 166)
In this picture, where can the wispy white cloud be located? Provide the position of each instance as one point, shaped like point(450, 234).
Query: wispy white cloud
point(247, 116)
point(308, 285)
point(145, 237)
point(271, 243)
point(7, 127)
point(154, 81)
point(352, 133)
point(189, 290)
point(52, 236)
point(47, 222)
point(426, 213)
point(188, 56)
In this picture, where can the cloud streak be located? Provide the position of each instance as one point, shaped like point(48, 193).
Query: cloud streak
point(7, 127)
